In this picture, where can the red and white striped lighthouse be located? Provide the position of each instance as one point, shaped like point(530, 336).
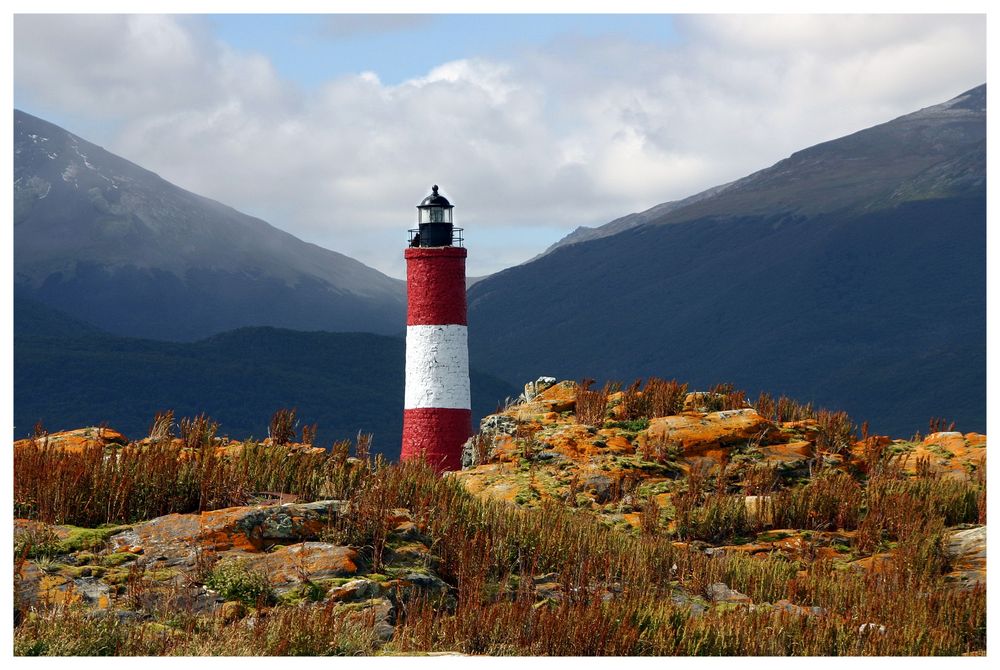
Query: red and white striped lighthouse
point(437, 415)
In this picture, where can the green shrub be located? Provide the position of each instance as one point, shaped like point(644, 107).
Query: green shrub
point(633, 426)
point(235, 580)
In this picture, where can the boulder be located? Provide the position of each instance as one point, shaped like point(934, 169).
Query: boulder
point(532, 389)
point(951, 455)
point(721, 593)
point(469, 453)
point(498, 423)
point(354, 590)
point(407, 531)
point(551, 456)
point(287, 567)
point(36, 587)
point(495, 431)
point(694, 605)
point(967, 551)
point(598, 485)
point(557, 398)
point(379, 614)
point(78, 440)
point(694, 433)
point(177, 538)
point(791, 458)
point(409, 553)
point(425, 582)
point(384, 618)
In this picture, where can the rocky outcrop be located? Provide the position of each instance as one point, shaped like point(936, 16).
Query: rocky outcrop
point(78, 440)
point(169, 560)
point(537, 450)
point(532, 389)
point(556, 397)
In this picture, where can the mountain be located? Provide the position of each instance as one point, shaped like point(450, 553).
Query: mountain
point(584, 233)
point(851, 274)
point(116, 246)
point(67, 374)
point(937, 151)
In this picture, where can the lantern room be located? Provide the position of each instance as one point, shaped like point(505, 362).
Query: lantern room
point(436, 227)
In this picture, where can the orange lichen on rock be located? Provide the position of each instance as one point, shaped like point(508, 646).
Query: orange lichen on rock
point(77, 440)
point(788, 453)
point(57, 590)
point(615, 442)
point(248, 529)
point(481, 483)
point(947, 454)
point(571, 440)
point(293, 564)
point(975, 440)
point(558, 398)
point(695, 433)
point(808, 429)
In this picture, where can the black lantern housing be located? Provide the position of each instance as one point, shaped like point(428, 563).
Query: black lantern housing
point(435, 220)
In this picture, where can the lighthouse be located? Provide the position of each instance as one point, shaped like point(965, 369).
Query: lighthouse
point(437, 415)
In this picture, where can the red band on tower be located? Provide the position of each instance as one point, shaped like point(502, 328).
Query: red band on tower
point(435, 286)
point(437, 435)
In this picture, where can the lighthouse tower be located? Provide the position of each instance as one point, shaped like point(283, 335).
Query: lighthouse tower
point(437, 418)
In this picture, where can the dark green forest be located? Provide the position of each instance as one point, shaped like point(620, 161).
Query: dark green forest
point(68, 374)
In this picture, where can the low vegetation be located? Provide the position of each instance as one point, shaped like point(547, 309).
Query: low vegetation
point(552, 579)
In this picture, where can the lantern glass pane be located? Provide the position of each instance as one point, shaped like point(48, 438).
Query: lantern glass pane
point(435, 215)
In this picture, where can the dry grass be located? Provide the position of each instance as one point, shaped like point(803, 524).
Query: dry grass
point(591, 406)
point(723, 397)
point(658, 398)
point(620, 593)
point(96, 486)
point(282, 427)
point(836, 432)
point(285, 631)
point(830, 500)
point(666, 398)
point(617, 595)
point(783, 409)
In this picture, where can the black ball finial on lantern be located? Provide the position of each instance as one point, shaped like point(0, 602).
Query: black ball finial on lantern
point(435, 199)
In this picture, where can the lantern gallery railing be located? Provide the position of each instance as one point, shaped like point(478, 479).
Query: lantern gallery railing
point(457, 240)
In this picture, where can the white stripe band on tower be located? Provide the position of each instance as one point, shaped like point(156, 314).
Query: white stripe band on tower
point(437, 367)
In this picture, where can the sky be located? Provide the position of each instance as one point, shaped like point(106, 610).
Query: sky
point(333, 127)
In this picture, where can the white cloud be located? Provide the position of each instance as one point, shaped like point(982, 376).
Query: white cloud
point(575, 132)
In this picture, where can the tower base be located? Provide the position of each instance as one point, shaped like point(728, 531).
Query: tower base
point(436, 435)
